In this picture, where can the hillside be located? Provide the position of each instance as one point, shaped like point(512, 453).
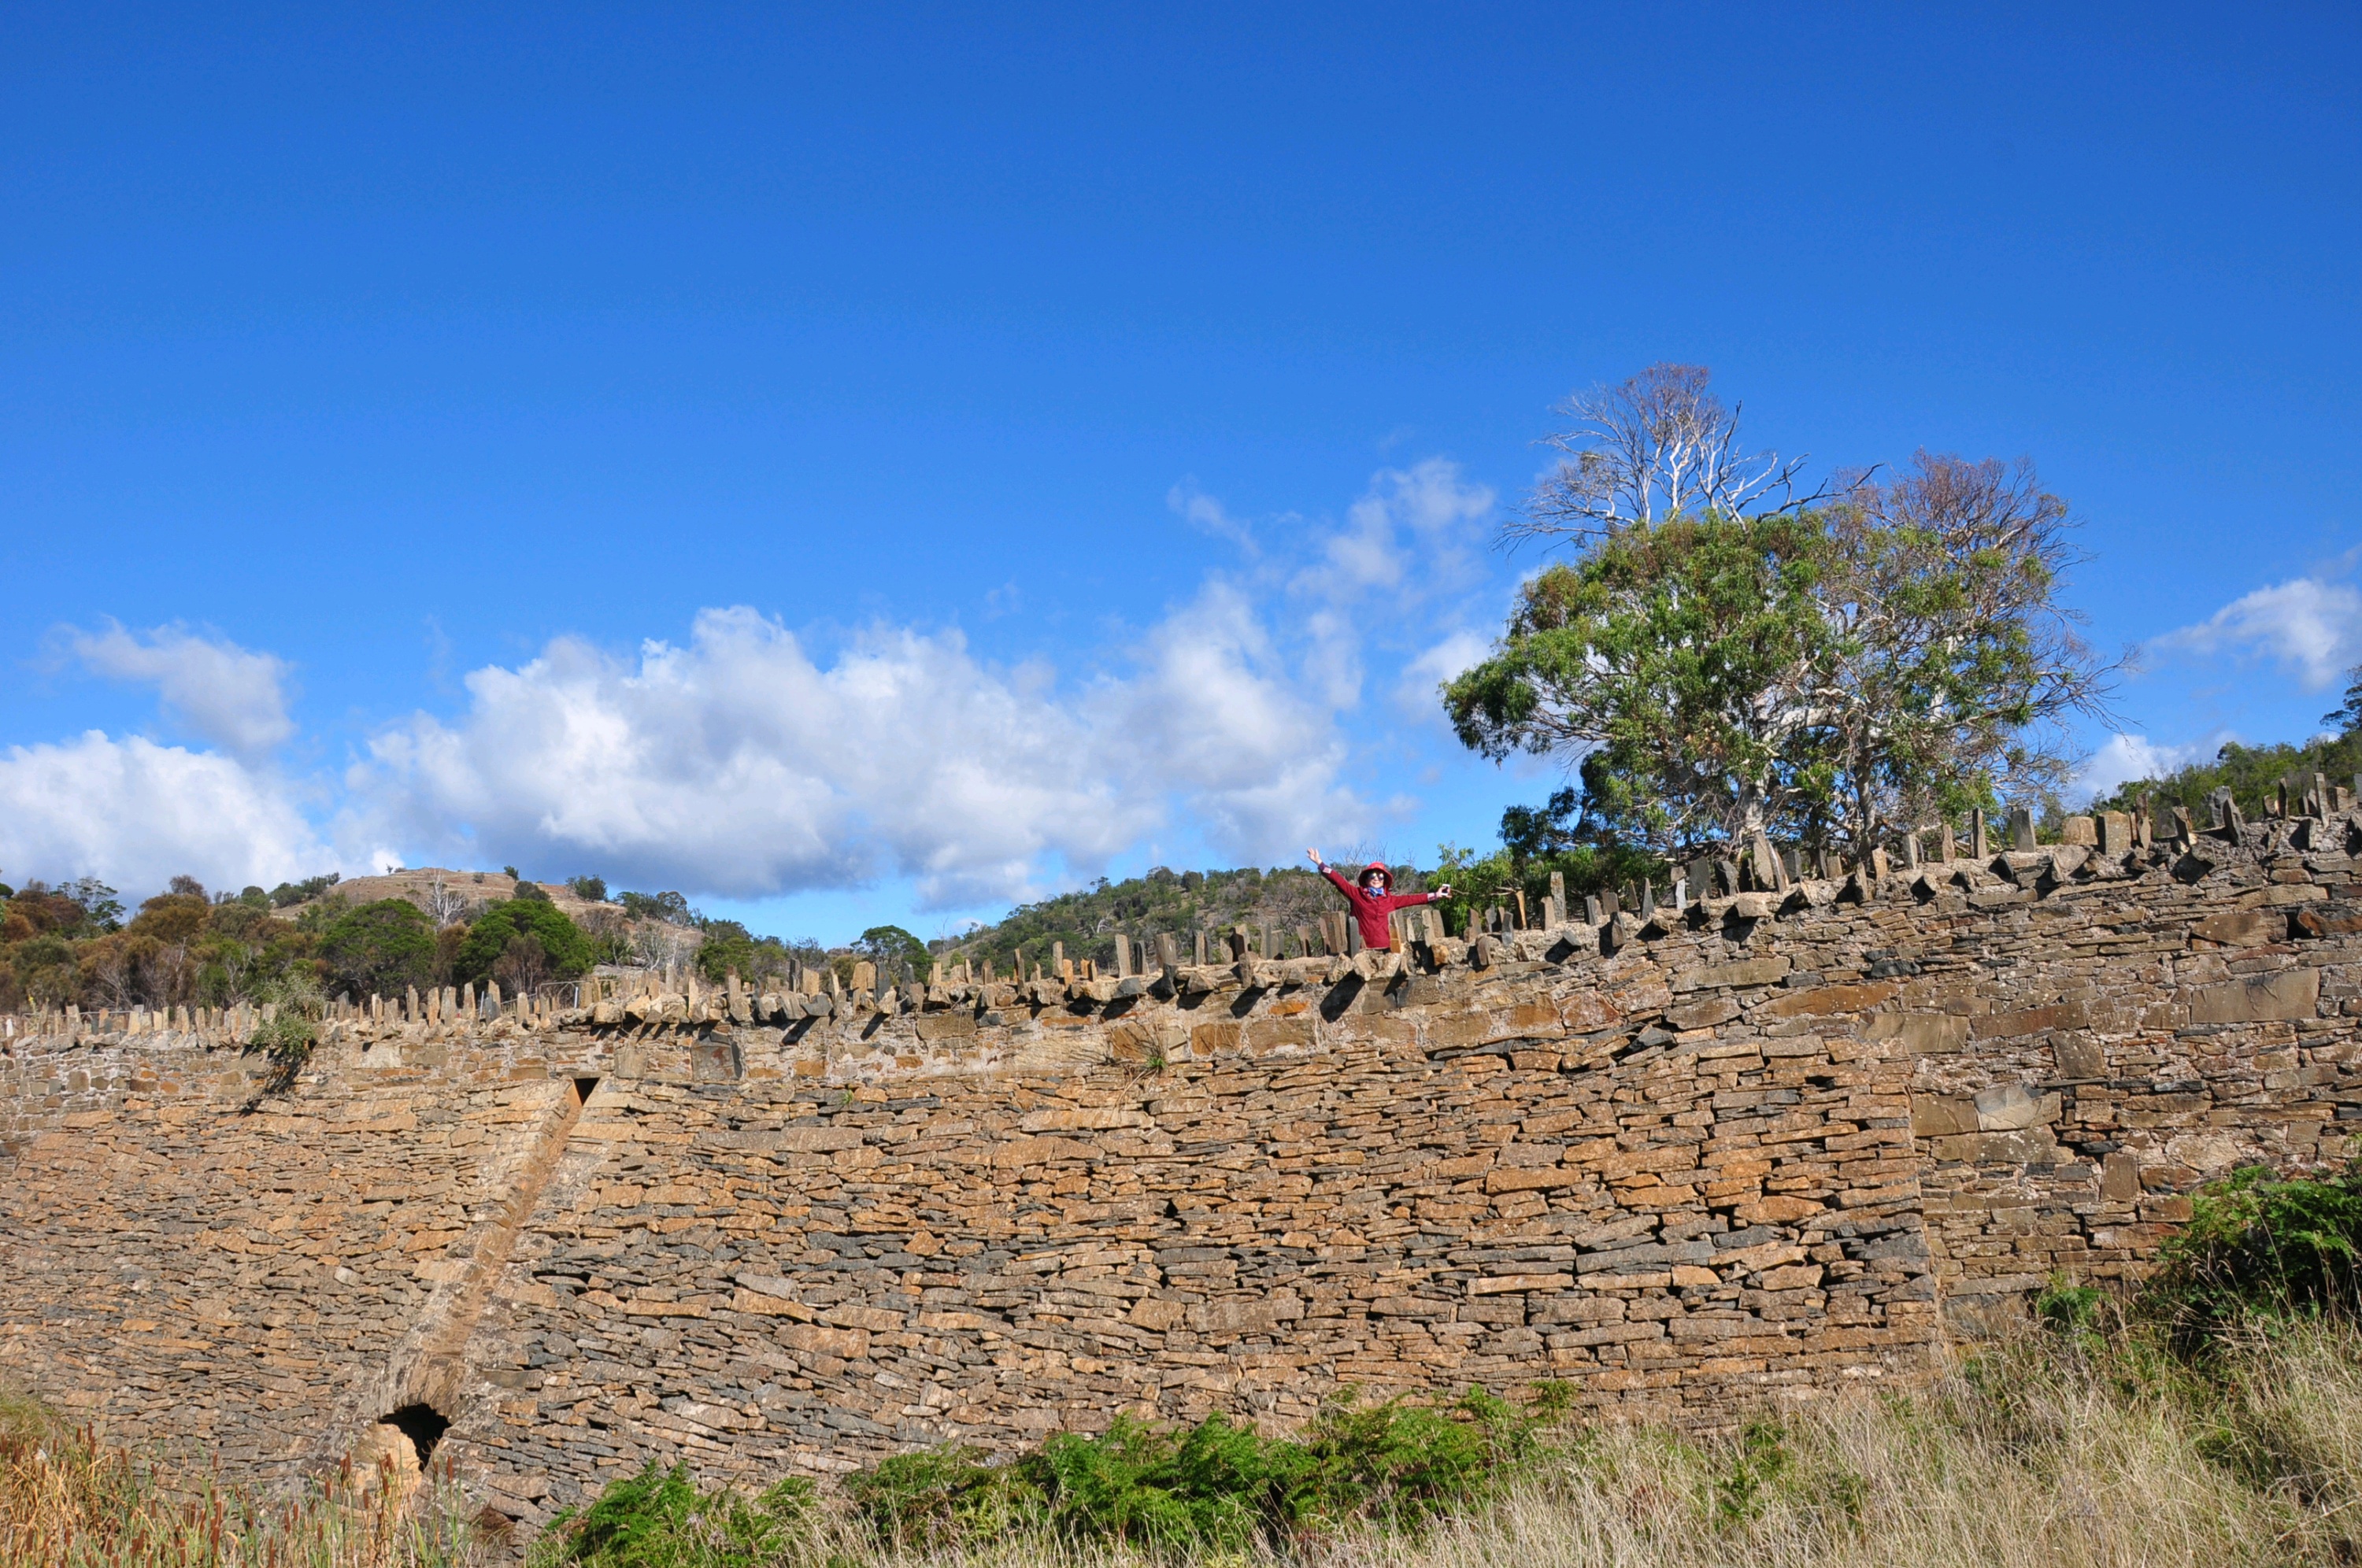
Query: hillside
point(463, 891)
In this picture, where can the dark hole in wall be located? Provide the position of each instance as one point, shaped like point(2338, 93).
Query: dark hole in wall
point(582, 1089)
point(424, 1425)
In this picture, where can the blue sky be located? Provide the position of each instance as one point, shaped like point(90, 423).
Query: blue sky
point(883, 463)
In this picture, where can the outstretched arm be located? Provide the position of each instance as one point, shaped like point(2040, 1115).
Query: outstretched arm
point(1330, 872)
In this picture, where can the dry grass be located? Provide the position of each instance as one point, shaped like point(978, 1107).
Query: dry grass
point(2055, 1451)
point(69, 1500)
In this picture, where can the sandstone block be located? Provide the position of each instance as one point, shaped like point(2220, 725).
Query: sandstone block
point(1921, 1033)
point(1939, 1115)
point(2290, 994)
point(2030, 1020)
point(2007, 1108)
point(1746, 972)
point(1831, 998)
point(2028, 1145)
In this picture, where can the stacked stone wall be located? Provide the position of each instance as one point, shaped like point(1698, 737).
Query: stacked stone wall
point(1763, 1148)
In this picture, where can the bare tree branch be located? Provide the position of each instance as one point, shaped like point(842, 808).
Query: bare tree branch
point(1658, 446)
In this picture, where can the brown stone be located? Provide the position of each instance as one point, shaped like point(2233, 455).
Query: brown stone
point(2290, 994)
point(1832, 998)
point(1746, 972)
point(2241, 928)
point(2029, 1021)
point(1921, 1033)
point(1935, 1115)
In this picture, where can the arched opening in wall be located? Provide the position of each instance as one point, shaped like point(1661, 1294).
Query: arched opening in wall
point(424, 1425)
point(583, 1088)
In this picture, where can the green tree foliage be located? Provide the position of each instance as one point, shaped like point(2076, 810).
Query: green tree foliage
point(379, 949)
point(1890, 658)
point(1661, 659)
point(2347, 716)
point(70, 944)
point(728, 948)
point(887, 946)
point(668, 907)
point(310, 887)
point(1179, 903)
point(1537, 841)
point(589, 889)
point(565, 950)
point(2253, 773)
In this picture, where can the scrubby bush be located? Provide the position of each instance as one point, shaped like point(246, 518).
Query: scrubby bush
point(659, 1518)
point(566, 949)
point(1215, 1486)
point(2261, 1246)
point(380, 948)
point(589, 889)
point(310, 887)
point(672, 908)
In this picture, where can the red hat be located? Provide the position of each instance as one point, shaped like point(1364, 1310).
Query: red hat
point(1380, 868)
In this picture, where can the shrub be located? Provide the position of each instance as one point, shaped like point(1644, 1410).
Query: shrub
point(1215, 1486)
point(567, 948)
point(668, 907)
point(921, 1502)
point(589, 889)
point(2260, 1245)
point(310, 887)
point(382, 947)
point(658, 1519)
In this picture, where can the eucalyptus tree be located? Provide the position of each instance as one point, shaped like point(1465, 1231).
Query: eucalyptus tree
point(1718, 657)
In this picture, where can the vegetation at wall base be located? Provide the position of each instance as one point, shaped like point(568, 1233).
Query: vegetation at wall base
point(2260, 1250)
point(69, 1499)
point(660, 1517)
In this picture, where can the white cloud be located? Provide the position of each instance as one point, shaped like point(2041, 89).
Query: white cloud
point(1204, 512)
point(739, 763)
point(2126, 757)
point(1462, 651)
point(2310, 624)
point(229, 696)
point(1431, 501)
point(739, 766)
point(134, 814)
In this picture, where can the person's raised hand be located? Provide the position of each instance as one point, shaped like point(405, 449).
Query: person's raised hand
point(1315, 857)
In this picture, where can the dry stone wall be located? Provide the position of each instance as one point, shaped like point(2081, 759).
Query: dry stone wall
point(1763, 1147)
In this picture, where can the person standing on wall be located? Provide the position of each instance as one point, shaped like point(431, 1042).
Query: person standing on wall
point(1372, 898)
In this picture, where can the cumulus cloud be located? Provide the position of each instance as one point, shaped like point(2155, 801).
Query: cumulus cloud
point(1422, 512)
point(1203, 511)
point(744, 762)
point(2126, 757)
point(2311, 625)
point(740, 766)
point(134, 815)
point(231, 697)
point(1460, 651)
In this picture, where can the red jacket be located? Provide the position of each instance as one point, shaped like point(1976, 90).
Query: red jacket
point(1371, 909)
